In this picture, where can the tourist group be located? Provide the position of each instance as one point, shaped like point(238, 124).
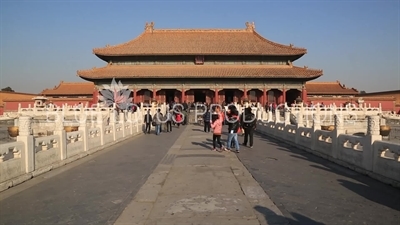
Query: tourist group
point(214, 118)
point(237, 122)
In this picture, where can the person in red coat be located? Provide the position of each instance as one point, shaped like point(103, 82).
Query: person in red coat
point(178, 118)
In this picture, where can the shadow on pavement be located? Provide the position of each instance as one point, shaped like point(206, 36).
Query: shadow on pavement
point(198, 130)
point(367, 187)
point(272, 218)
point(204, 144)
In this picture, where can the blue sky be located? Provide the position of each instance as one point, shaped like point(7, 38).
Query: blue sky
point(355, 42)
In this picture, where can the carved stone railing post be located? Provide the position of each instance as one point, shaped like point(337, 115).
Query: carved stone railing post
point(83, 127)
point(100, 124)
point(259, 114)
point(277, 116)
point(270, 116)
point(60, 131)
point(287, 118)
point(339, 129)
point(129, 121)
point(300, 121)
point(339, 124)
point(113, 121)
point(25, 135)
point(316, 121)
point(316, 126)
point(308, 122)
point(382, 121)
point(373, 134)
point(122, 122)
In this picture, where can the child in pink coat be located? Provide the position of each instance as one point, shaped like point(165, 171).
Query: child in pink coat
point(216, 125)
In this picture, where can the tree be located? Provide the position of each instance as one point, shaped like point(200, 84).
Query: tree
point(7, 89)
point(363, 92)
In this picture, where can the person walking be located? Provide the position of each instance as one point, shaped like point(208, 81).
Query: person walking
point(233, 128)
point(216, 125)
point(178, 118)
point(206, 121)
point(248, 122)
point(157, 121)
point(169, 121)
point(147, 121)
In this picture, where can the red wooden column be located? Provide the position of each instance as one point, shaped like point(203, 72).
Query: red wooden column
point(183, 95)
point(284, 95)
point(245, 93)
point(304, 95)
point(134, 100)
point(216, 96)
point(264, 96)
point(155, 94)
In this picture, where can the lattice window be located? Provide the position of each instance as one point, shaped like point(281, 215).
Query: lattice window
point(147, 96)
point(253, 96)
point(271, 96)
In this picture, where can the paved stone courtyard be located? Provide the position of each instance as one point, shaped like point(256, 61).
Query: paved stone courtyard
point(174, 178)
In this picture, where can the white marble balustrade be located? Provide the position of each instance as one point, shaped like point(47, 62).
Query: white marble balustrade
point(367, 154)
point(30, 156)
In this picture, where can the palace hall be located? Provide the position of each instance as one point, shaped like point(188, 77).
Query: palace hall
point(204, 65)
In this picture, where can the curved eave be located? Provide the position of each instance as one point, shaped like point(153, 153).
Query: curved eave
point(109, 57)
point(199, 72)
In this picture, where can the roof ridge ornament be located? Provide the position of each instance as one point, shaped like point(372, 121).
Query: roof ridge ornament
point(149, 27)
point(291, 45)
point(250, 26)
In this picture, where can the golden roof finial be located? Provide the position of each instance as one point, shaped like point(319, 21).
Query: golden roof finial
point(149, 27)
point(250, 26)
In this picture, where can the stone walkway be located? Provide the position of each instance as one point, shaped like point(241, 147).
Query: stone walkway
point(311, 190)
point(175, 179)
point(91, 190)
point(193, 185)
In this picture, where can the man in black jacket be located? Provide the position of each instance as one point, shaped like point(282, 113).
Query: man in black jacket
point(206, 121)
point(248, 123)
point(147, 120)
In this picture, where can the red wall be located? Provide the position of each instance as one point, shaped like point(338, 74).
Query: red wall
point(13, 106)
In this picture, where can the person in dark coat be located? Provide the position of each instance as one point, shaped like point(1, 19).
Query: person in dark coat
point(248, 123)
point(147, 121)
point(207, 121)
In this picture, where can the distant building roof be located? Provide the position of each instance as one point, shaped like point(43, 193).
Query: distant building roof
point(381, 93)
point(4, 95)
point(329, 88)
point(70, 88)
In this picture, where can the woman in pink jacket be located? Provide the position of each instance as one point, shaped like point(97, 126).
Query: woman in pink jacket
point(216, 125)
